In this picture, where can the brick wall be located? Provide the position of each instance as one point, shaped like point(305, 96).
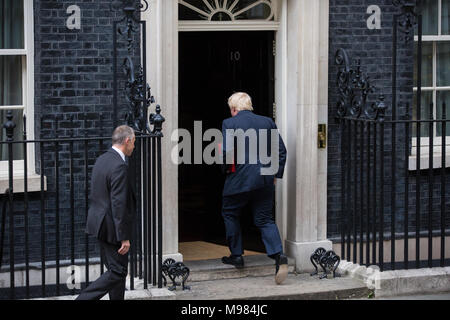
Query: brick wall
point(348, 30)
point(73, 98)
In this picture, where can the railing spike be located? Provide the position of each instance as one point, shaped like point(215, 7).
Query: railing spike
point(9, 126)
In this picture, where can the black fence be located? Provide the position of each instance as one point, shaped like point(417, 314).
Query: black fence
point(44, 250)
point(395, 172)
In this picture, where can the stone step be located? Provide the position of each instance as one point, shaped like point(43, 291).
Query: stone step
point(214, 269)
point(295, 287)
point(212, 280)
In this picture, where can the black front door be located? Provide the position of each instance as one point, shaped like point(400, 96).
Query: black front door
point(212, 66)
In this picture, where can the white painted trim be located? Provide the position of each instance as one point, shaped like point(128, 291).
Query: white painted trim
point(162, 76)
point(13, 52)
point(281, 80)
point(228, 26)
point(28, 91)
point(16, 107)
point(212, 10)
point(293, 57)
point(280, 28)
point(433, 38)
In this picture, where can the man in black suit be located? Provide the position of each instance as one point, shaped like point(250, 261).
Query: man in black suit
point(110, 215)
point(251, 179)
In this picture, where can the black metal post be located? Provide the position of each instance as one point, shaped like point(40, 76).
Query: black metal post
point(368, 173)
point(348, 189)
point(57, 209)
point(418, 142)
point(146, 216)
point(42, 195)
point(160, 218)
point(86, 196)
point(102, 267)
point(374, 218)
point(361, 196)
point(430, 187)
point(9, 127)
point(72, 198)
point(394, 155)
point(381, 107)
point(355, 189)
point(381, 232)
point(443, 189)
point(154, 218)
point(343, 180)
point(406, 220)
point(26, 207)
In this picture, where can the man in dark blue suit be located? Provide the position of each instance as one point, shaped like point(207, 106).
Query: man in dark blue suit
point(111, 215)
point(254, 157)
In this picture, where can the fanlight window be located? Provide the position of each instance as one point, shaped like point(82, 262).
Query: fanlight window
point(226, 10)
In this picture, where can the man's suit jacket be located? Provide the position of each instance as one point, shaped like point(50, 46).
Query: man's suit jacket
point(112, 200)
point(247, 176)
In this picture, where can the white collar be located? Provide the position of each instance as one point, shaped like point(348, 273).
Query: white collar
point(122, 155)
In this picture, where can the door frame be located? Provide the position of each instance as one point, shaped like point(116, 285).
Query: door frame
point(163, 28)
point(280, 87)
point(223, 39)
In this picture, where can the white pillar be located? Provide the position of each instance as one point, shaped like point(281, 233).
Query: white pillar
point(162, 75)
point(306, 105)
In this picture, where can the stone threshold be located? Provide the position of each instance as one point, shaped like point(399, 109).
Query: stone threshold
point(214, 269)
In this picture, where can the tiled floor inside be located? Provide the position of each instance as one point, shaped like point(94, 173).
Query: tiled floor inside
point(201, 250)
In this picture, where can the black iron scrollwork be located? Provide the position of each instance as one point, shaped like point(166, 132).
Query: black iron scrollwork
point(328, 260)
point(408, 17)
point(131, 8)
point(354, 88)
point(156, 119)
point(315, 257)
point(9, 126)
point(137, 95)
point(175, 271)
point(137, 91)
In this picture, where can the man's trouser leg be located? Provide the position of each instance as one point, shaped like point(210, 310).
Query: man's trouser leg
point(261, 202)
point(113, 280)
point(231, 211)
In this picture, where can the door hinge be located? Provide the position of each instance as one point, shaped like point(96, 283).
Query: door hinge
point(274, 48)
point(274, 110)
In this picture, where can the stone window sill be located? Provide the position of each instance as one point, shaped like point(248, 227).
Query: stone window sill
point(33, 183)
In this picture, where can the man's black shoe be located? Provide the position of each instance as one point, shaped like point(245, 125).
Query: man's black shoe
point(281, 268)
point(236, 261)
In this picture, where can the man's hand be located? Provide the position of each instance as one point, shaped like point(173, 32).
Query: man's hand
point(275, 181)
point(125, 247)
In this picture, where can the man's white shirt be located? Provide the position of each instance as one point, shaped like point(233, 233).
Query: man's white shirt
point(122, 155)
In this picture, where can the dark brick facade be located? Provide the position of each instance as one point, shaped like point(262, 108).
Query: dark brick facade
point(348, 30)
point(73, 85)
point(73, 98)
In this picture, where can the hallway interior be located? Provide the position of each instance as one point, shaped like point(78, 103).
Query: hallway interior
point(201, 250)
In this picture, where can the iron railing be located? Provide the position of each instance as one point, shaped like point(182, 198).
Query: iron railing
point(386, 204)
point(43, 242)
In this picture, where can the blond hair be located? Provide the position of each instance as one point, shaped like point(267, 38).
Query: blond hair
point(240, 101)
